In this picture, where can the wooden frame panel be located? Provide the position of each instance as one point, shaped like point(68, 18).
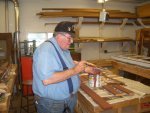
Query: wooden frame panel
point(7, 39)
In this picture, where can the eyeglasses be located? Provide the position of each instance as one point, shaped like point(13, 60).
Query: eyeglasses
point(70, 38)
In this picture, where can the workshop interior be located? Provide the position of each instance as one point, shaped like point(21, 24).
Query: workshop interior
point(112, 35)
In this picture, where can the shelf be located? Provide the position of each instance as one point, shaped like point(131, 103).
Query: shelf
point(87, 13)
point(106, 23)
point(101, 39)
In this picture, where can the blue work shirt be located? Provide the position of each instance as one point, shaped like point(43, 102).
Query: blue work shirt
point(45, 63)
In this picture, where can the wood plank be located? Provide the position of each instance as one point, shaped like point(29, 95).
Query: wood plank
point(84, 78)
point(126, 103)
point(143, 11)
point(112, 90)
point(68, 14)
point(80, 9)
point(122, 15)
point(99, 100)
point(89, 14)
point(101, 39)
point(124, 89)
point(106, 23)
point(101, 62)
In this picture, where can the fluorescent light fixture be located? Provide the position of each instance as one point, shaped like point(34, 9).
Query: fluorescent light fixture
point(101, 1)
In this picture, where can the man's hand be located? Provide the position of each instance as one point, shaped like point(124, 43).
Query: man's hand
point(75, 62)
point(80, 67)
point(92, 70)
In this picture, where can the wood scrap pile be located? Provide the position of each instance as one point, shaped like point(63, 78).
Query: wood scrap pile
point(4, 77)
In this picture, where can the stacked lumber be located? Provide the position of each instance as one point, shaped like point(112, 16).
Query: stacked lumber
point(82, 12)
point(101, 39)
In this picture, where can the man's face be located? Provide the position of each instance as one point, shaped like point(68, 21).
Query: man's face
point(65, 40)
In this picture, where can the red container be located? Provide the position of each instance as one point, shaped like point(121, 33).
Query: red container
point(26, 66)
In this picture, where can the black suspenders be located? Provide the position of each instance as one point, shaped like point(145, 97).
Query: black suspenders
point(69, 80)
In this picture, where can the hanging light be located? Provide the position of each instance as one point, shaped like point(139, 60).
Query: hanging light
point(101, 1)
point(103, 16)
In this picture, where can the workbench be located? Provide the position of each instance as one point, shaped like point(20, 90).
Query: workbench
point(87, 105)
point(139, 65)
point(4, 104)
point(124, 104)
point(140, 71)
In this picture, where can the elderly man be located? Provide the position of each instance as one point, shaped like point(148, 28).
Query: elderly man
point(55, 75)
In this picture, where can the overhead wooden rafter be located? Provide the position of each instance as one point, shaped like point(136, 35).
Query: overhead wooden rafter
point(79, 12)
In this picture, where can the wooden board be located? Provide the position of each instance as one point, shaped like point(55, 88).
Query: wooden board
point(100, 101)
point(101, 39)
point(129, 92)
point(101, 62)
point(75, 12)
point(86, 104)
point(143, 11)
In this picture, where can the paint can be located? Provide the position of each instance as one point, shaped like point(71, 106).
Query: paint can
point(91, 80)
point(97, 80)
point(94, 81)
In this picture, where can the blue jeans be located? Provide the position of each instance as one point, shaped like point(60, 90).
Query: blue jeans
point(46, 105)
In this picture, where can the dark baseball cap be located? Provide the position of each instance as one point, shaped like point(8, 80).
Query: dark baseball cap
point(67, 27)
